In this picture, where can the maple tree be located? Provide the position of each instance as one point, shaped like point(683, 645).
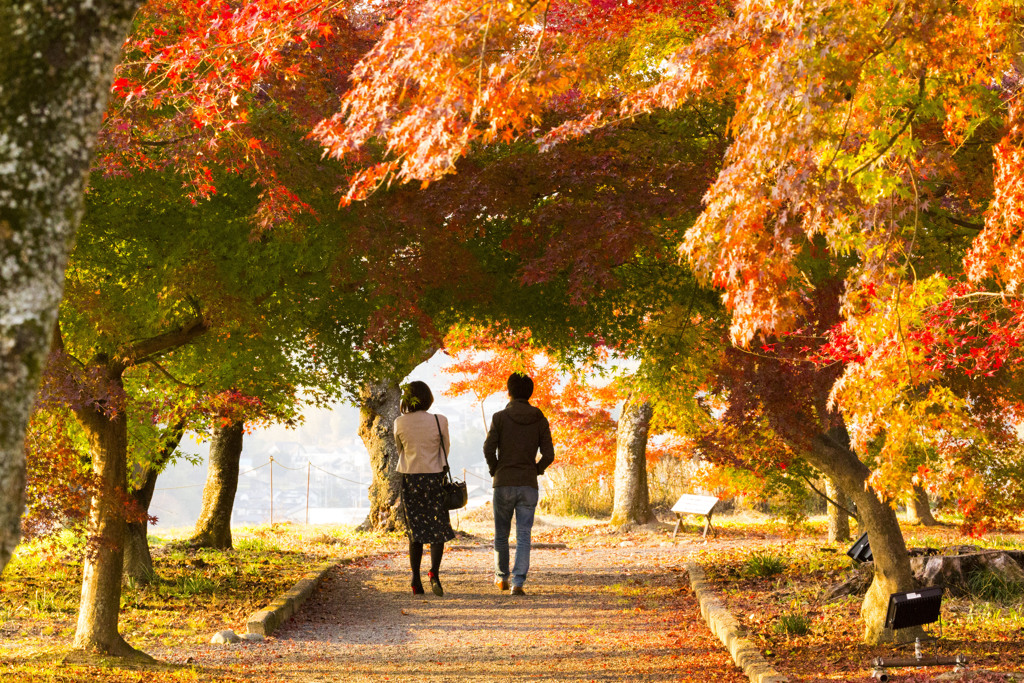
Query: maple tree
point(197, 82)
point(171, 325)
point(861, 131)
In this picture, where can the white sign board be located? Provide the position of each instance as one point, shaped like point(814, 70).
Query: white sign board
point(689, 504)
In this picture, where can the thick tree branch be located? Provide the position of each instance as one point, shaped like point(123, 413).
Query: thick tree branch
point(144, 350)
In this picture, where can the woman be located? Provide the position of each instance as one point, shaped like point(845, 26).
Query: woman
point(423, 443)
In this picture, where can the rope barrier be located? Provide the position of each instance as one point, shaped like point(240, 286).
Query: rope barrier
point(275, 462)
point(293, 469)
point(351, 481)
point(175, 488)
point(192, 486)
point(254, 469)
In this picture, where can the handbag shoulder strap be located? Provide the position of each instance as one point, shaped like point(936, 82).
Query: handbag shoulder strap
point(440, 440)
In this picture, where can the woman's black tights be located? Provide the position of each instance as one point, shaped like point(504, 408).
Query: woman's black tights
point(416, 557)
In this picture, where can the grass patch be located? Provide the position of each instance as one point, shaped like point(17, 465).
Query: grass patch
point(192, 585)
point(253, 545)
point(792, 625)
point(986, 585)
point(576, 492)
point(49, 601)
point(51, 665)
point(193, 594)
point(764, 564)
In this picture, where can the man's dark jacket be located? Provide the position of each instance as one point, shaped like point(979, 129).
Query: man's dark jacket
point(515, 436)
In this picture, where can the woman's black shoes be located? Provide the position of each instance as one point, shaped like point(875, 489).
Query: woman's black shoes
point(435, 584)
point(417, 587)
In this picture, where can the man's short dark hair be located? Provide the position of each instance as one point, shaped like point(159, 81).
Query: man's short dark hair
point(416, 396)
point(520, 386)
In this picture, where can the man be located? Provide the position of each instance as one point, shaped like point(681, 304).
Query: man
point(517, 433)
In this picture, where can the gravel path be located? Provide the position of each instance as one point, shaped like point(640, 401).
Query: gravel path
point(598, 613)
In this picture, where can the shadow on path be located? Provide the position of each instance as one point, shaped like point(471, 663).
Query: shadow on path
point(591, 614)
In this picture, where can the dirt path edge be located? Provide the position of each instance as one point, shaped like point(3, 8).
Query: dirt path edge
point(724, 625)
point(267, 620)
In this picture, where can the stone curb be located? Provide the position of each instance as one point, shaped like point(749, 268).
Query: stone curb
point(268, 619)
point(724, 625)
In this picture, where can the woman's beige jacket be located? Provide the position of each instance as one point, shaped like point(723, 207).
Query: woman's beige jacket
point(419, 448)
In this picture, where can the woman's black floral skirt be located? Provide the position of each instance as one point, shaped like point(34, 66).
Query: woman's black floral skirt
point(425, 513)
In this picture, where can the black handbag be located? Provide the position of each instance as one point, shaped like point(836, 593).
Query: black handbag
point(454, 493)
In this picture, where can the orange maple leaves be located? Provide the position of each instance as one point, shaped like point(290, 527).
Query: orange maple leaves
point(193, 76)
point(450, 74)
point(579, 412)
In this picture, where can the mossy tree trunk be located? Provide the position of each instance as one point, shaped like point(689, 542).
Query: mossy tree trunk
point(57, 60)
point(213, 528)
point(631, 497)
point(379, 407)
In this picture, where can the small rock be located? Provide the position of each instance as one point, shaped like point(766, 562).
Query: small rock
point(627, 544)
point(252, 637)
point(225, 637)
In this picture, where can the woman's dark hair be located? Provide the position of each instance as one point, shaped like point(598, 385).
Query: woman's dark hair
point(416, 396)
point(520, 386)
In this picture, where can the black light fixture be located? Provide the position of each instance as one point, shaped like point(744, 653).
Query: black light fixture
point(914, 608)
point(861, 550)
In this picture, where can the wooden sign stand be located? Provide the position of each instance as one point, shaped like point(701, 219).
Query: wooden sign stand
point(689, 504)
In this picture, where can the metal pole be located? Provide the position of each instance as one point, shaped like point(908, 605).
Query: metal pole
point(308, 465)
point(271, 490)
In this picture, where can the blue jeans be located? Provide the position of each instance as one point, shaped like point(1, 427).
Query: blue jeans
point(522, 500)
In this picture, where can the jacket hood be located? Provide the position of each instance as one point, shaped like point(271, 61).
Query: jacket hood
point(521, 412)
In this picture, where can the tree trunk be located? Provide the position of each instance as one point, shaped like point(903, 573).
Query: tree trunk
point(831, 454)
point(379, 407)
point(56, 63)
point(213, 528)
point(138, 562)
point(919, 509)
point(1000, 569)
point(100, 605)
point(632, 501)
point(838, 520)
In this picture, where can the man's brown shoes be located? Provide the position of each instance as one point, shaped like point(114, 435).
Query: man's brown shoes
point(501, 584)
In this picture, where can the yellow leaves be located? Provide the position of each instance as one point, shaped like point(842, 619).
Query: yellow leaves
point(892, 400)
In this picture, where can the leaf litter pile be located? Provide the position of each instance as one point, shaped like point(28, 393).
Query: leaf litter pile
point(779, 594)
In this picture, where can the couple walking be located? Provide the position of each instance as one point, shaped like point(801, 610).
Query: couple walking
point(516, 434)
